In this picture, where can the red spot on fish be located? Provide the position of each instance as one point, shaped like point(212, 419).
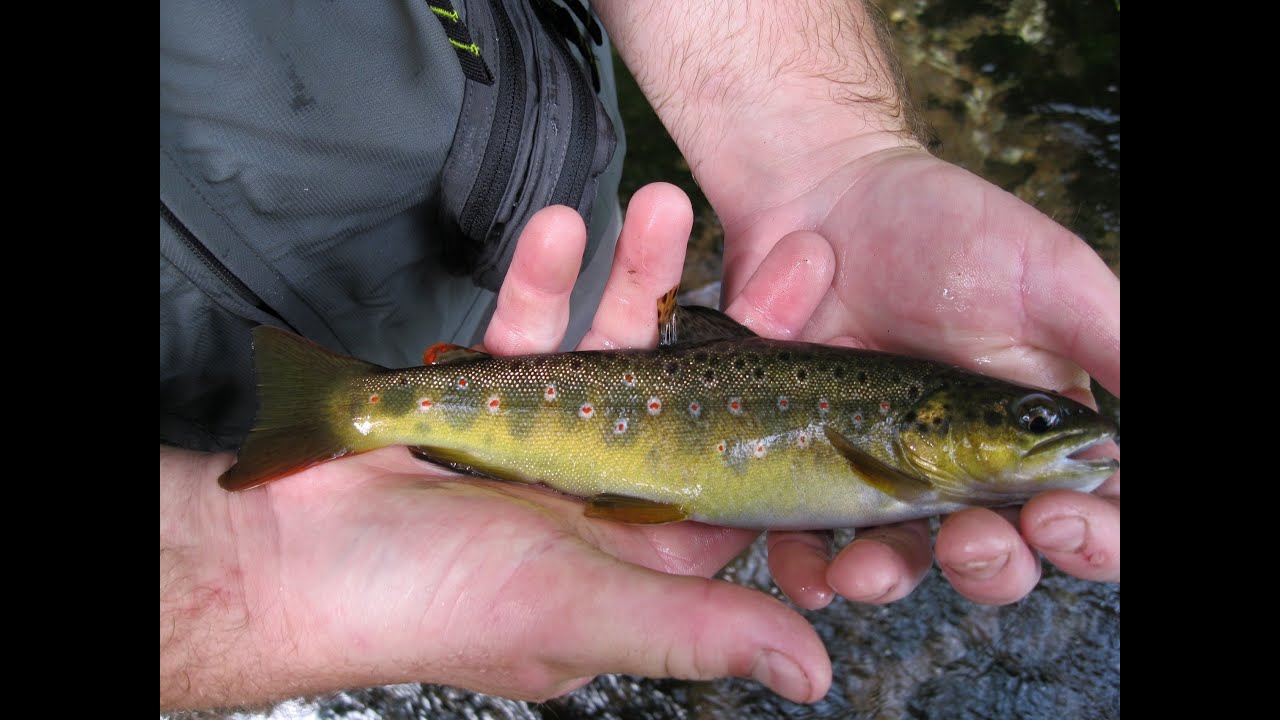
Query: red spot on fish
point(720, 448)
point(494, 403)
point(621, 427)
point(823, 406)
point(695, 409)
point(802, 440)
point(549, 394)
point(462, 383)
point(884, 407)
point(783, 403)
point(425, 403)
point(586, 411)
point(857, 419)
point(374, 398)
point(735, 406)
point(629, 379)
point(655, 406)
point(759, 453)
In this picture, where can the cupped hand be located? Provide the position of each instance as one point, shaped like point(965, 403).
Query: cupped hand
point(380, 568)
point(933, 261)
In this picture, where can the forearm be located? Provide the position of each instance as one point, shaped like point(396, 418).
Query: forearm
point(207, 656)
point(776, 89)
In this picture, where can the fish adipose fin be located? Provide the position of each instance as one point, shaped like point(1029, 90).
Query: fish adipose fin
point(444, 353)
point(680, 325)
point(885, 478)
point(463, 462)
point(296, 383)
point(622, 508)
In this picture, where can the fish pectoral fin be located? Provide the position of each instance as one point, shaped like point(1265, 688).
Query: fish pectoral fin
point(464, 462)
point(879, 475)
point(637, 511)
point(443, 353)
point(681, 325)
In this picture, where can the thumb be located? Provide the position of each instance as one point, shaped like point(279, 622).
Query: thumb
point(642, 622)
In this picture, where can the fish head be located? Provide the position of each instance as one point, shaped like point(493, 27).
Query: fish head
point(987, 440)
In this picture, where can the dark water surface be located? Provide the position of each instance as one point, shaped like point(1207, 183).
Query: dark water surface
point(1025, 93)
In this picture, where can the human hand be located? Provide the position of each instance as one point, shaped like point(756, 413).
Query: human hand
point(794, 122)
point(935, 262)
point(379, 569)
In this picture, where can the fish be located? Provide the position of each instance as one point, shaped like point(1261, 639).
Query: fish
point(715, 425)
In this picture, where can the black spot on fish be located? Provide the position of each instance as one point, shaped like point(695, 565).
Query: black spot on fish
point(517, 365)
point(823, 367)
point(838, 372)
point(911, 417)
point(896, 379)
point(862, 377)
point(946, 406)
point(785, 356)
point(921, 427)
point(937, 420)
point(700, 357)
point(739, 363)
point(709, 376)
point(913, 391)
point(759, 373)
point(576, 363)
point(801, 375)
point(992, 418)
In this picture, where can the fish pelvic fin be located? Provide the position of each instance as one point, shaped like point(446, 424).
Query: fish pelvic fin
point(879, 475)
point(637, 511)
point(297, 380)
point(680, 324)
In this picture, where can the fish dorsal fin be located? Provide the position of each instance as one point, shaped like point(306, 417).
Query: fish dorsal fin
point(879, 475)
point(443, 353)
point(627, 509)
point(679, 325)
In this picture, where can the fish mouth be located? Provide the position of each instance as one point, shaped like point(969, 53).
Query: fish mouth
point(1063, 452)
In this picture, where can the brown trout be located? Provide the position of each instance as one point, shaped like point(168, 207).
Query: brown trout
point(716, 425)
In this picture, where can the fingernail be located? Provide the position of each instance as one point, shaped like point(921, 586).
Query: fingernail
point(1061, 535)
point(780, 674)
point(981, 568)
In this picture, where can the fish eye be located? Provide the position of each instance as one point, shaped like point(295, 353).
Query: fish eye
point(1037, 413)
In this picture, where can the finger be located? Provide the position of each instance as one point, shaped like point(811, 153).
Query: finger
point(685, 548)
point(647, 263)
point(883, 564)
point(642, 622)
point(1072, 301)
point(798, 563)
point(787, 287)
point(985, 558)
point(533, 304)
point(1077, 532)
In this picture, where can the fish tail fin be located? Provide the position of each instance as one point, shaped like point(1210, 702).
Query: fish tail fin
point(297, 380)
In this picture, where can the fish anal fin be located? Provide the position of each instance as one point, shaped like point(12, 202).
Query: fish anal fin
point(879, 475)
point(444, 353)
point(463, 462)
point(637, 511)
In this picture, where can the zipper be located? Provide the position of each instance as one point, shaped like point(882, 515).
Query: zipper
point(213, 264)
point(582, 140)
point(508, 124)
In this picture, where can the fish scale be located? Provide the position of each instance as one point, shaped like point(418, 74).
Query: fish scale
point(746, 431)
